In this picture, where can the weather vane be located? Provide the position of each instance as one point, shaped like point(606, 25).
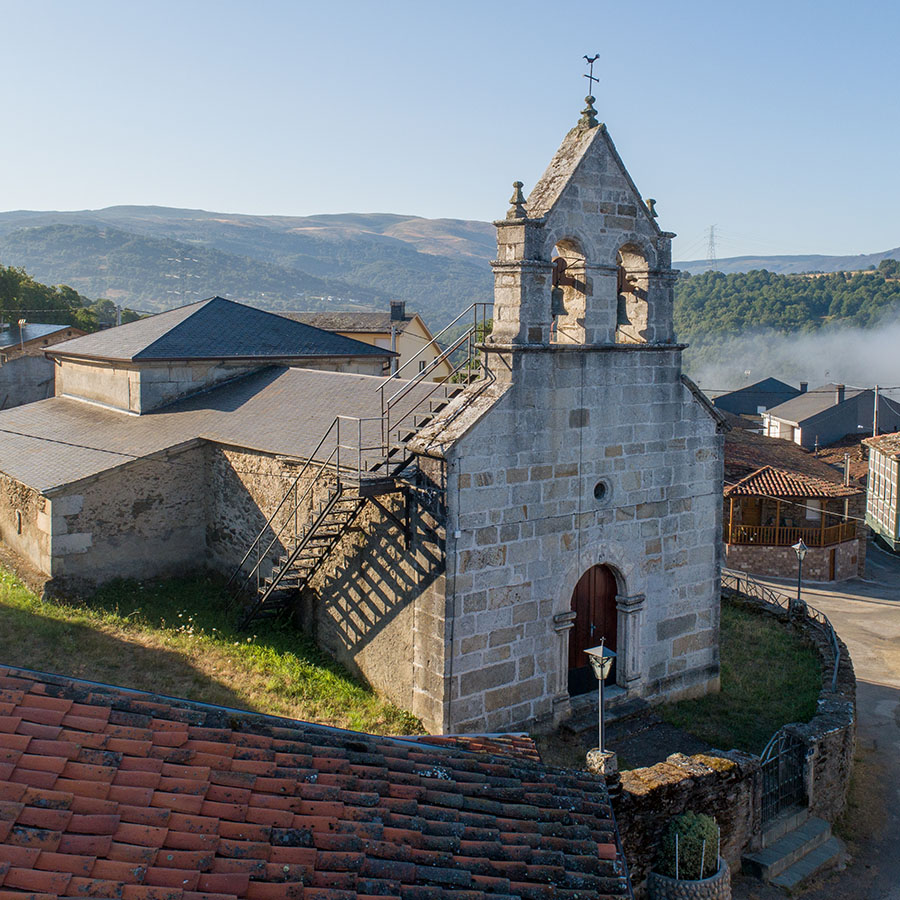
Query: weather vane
point(590, 77)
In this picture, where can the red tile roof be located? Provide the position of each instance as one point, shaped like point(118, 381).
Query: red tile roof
point(771, 482)
point(115, 793)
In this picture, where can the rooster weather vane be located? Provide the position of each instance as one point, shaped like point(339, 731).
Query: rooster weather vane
point(590, 60)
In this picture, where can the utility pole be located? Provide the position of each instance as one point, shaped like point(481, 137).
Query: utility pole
point(875, 414)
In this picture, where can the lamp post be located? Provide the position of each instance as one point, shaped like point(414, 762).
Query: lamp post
point(601, 662)
point(800, 549)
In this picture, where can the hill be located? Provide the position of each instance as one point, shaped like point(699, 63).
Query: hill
point(790, 265)
point(439, 265)
point(130, 253)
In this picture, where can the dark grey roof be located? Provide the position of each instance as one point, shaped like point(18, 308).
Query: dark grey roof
point(214, 329)
point(813, 402)
point(13, 336)
point(276, 410)
point(374, 322)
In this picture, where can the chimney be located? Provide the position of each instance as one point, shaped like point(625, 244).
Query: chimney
point(846, 468)
point(803, 386)
point(398, 310)
point(838, 394)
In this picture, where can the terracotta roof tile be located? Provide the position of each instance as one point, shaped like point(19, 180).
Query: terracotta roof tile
point(773, 482)
point(160, 799)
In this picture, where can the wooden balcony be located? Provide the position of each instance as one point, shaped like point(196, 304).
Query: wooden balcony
point(784, 536)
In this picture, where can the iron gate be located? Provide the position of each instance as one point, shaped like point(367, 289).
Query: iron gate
point(783, 781)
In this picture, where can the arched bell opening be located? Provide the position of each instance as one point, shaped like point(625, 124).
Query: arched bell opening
point(569, 293)
point(632, 307)
point(596, 617)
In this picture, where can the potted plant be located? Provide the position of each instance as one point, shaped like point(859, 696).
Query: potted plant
point(689, 866)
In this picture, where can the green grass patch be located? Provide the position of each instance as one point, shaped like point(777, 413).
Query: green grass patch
point(173, 637)
point(770, 677)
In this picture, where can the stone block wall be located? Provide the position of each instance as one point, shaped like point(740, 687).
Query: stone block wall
point(723, 785)
point(377, 603)
point(525, 524)
point(25, 522)
point(728, 785)
point(143, 519)
point(781, 562)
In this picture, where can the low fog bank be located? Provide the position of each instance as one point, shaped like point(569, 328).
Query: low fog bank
point(856, 357)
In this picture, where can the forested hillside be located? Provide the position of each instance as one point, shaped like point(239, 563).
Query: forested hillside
point(21, 297)
point(715, 305)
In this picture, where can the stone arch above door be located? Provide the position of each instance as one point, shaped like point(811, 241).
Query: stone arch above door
point(629, 605)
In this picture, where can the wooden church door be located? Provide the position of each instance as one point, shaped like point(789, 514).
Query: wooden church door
point(594, 604)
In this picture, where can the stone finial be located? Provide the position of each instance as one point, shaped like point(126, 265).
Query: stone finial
point(651, 205)
point(589, 114)
point(517, 209)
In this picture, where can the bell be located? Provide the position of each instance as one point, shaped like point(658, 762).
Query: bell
point(557, 306)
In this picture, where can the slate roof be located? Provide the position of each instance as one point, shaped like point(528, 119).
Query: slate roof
point(278, 410)
point(13, 336)
point(747, 452)
point(810, 404)
point(361, 322)
point(106, 792)
point(771, 482)
point(769, 392)
point(213, 329)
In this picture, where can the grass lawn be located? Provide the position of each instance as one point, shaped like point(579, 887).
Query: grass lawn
point(173, 637)
point(770, 677)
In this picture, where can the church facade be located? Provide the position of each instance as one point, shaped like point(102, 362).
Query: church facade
point(583, 483)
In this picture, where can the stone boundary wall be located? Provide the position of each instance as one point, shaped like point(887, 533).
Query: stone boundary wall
point(781, 562)
point(728, 785)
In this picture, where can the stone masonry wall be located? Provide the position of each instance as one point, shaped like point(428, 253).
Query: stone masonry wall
point(25, 522)
point(377, 604)
point(723, 785)
point(144, 519)
point(728, 785)
point(525, 525)
point(781, 562)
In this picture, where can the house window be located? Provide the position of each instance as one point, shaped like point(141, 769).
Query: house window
point(18, 521)
point(814, 509)
point(422, 365)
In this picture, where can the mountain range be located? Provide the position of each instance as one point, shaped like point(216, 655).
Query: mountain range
point(153, 258)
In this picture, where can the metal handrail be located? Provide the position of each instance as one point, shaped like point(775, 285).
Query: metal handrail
point(472, 308)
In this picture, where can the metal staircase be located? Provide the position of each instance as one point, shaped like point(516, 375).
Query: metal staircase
point(356, 461)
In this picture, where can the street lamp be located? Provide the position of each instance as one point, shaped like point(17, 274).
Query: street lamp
point(601, 662)
point(800, 549)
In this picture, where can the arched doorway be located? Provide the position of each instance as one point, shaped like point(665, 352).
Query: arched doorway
point(594, 605)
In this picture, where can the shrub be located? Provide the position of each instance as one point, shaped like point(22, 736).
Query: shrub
point(692, 830)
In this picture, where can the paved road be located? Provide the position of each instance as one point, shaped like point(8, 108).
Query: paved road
point(865, 612)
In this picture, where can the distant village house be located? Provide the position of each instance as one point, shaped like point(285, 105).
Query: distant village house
point(404, 333)
point(819, 417)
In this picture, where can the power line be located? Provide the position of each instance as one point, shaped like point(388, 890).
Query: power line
point(711, 250)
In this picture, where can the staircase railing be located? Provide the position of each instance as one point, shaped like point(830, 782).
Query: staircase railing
point(351, 449)
point(325, 464)
point(459, 363)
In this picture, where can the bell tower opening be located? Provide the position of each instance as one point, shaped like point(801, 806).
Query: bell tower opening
point(568, 296)
point(632, 308)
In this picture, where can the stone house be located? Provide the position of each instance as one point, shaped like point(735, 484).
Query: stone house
point(776, 494)
point(822, 416)
point(26, 375)
point(459, 545)
point(404, 332)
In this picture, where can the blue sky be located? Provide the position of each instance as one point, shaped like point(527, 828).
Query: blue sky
point(778, 122)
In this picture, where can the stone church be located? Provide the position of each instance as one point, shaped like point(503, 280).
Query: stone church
point(458, 544)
